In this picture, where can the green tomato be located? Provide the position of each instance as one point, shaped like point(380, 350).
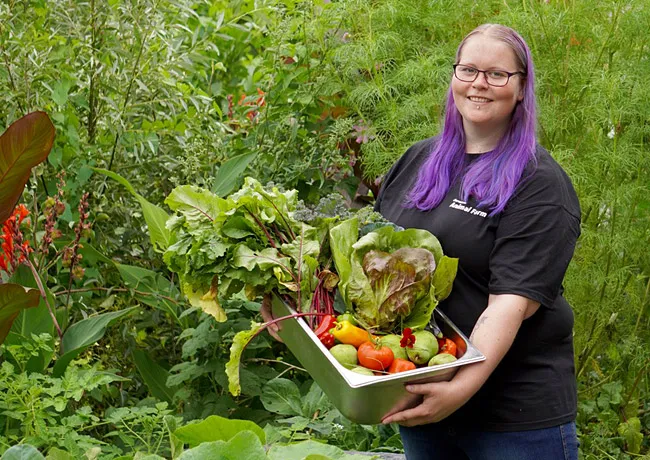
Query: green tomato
point(442, 358)
point(424, 348)
point(362, 370)
point(345, 354)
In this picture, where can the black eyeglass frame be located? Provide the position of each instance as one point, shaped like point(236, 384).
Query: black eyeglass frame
point(510, 74)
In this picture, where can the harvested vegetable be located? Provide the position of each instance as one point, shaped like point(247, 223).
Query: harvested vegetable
point(391, 278)
point(375, 356)
point(346, 332)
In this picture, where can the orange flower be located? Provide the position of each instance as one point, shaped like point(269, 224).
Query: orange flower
point(12, 240)
point(261, 100)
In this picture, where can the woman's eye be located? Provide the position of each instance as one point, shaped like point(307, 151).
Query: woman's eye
point(468, 70)
point(498, 74)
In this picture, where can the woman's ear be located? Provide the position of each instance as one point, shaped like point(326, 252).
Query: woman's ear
point(520, 95)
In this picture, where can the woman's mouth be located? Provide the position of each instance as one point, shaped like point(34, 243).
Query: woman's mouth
point(478, 99)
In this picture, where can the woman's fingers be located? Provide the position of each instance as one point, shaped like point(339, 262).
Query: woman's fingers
point(409, 417)
point(267, 316)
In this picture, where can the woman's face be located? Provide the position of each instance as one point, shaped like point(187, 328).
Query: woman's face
point(481, 105)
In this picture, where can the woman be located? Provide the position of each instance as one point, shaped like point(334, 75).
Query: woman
point(499, 202)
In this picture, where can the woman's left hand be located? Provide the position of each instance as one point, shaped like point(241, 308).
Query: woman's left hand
point(441, 399)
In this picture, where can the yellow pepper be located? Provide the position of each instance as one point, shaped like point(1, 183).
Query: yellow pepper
point(348, 333)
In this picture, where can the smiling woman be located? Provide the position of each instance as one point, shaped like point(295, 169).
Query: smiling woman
point(498, 202)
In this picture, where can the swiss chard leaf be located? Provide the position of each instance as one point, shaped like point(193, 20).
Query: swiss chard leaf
point(240, 341)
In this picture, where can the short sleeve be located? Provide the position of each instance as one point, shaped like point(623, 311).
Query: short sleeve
point(532, 250)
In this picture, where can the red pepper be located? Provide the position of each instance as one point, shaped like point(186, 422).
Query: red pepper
point(327, 323)
point(327, 339)
point(323, 331)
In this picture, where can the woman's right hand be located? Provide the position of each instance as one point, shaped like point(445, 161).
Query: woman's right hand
point(267, 315)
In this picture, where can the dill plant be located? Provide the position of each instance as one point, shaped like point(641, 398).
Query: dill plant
point(592, 66)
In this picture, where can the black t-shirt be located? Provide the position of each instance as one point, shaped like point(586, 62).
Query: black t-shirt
point(524, 250)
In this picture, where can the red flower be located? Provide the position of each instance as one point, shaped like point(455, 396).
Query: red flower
point(408, 339)
point(261, 100)
point(12, 240)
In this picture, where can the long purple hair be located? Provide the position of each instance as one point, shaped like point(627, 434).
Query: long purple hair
point(493, 177)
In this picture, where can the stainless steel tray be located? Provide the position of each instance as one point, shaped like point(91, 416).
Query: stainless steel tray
point(361, 398)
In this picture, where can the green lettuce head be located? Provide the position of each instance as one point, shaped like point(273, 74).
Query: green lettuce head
point(391, 277)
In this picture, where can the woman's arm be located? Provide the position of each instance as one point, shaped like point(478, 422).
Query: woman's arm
point(493, 335)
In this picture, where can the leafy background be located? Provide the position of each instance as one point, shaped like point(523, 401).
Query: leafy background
point(317, 96)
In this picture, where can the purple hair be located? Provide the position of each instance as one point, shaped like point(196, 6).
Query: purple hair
point(493, 177)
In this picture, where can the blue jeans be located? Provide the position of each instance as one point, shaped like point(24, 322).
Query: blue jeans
point(440, 442)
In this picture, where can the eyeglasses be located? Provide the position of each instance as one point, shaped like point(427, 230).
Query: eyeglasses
point(494, 77)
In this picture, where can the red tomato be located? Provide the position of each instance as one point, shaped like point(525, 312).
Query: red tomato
point(401, 365)
point(446, 345)
point(377, 358)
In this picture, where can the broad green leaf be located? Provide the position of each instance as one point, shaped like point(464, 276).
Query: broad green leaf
point(25, 144)
point(246, 258)
point(342, 237)
point(175, 444)
point(22, 452)
point(32, 321)
point(245, 445)
point(282, 397)
point(631, 432)
point(421, 314)
point(57, 454)
point(195, 203)
point(239, 342)
point(152, 285)
point(83, 334)
point(60, 90)
point(154, 216)
point(13, 299)
point(443, 277)
point(230, 172)
point(215, 428)
point(305, 449)
point(154, 376)
point(314, 400)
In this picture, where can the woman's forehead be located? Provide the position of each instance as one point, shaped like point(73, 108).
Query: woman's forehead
point(488, 52)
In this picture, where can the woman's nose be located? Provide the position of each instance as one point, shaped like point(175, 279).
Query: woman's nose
point(481, 81)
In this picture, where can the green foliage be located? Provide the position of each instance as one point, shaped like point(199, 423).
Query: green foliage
point(215, 428)
point(46, 411)
point(13, 299)
point(83, 334)
point(155, 216)
point(306, 413)
point(311, 95)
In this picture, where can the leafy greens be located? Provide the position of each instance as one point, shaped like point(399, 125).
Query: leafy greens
point(248, 240)
point(391, 277)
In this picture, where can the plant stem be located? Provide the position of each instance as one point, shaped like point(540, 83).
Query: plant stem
point(261, 225)
point(135, 291)
point(264, 360)
point(644, 302)
point(39, 283)
point(639, 376)
point(11, 80)
point(282, 318)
